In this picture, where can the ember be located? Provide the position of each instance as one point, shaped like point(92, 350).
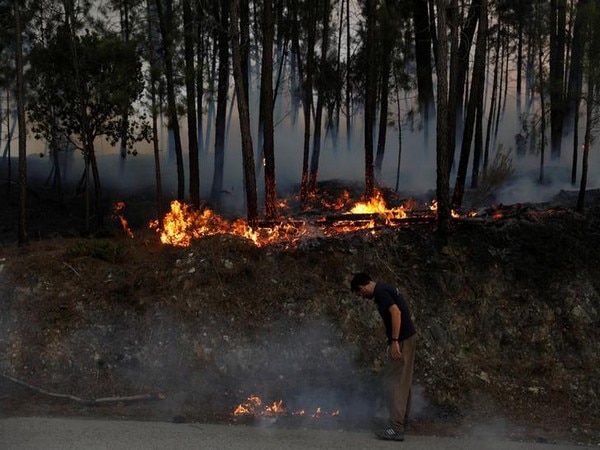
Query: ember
point(254, 407)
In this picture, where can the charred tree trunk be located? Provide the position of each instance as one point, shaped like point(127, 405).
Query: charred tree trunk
point(574, 85)
point(443, 143)
point(587, 142)
point(125, 32)
point(486, 147)
point(200, 57)
point(370, 96)
point(453, 83)
point(423, 40)
point(190, 87)
point(348, 90)
point(266, 95)
point(307, 87)
point(22, 238)
point(152, 40)
point(222, 91)
point(399, 120)
point(543, 113)
point(474, 103)
point(387, 32)
point(244, 113)
point(165, 16)
point(316, 151)
point(464, 51)
point(558, 13)
point(519, 80)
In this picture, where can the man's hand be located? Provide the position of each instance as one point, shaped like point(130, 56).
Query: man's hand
point(395, 351)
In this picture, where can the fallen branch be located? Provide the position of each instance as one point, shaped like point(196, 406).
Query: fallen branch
point(86, 401)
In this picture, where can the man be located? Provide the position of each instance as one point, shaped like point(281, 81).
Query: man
point(401, 338)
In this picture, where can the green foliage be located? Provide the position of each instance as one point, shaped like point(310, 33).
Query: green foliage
point(98, 249)
point(90, 77)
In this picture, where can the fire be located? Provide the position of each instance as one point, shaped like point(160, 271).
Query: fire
point(183, 223)
point(254, 407)
point(117, 213)
point(377, 205)
point(434, 207)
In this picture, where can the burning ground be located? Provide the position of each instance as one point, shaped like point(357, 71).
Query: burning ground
point(507, 314)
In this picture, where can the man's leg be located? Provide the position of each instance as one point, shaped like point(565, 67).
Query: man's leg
point(398, 380)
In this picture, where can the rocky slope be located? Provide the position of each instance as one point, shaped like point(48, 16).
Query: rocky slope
point(508, 320)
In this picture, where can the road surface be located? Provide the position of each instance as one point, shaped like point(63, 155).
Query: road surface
point(92, 434)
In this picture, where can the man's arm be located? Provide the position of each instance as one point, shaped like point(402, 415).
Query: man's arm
point(396, 315)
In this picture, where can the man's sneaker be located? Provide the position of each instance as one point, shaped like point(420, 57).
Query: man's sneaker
point(389, 434)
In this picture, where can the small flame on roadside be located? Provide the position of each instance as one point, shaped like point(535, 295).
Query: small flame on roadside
point(254, 407)
point(118, 214)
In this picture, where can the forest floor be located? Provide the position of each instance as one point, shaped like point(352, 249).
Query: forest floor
point(507, 315)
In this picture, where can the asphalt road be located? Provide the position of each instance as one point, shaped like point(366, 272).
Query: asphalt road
point(65, 434)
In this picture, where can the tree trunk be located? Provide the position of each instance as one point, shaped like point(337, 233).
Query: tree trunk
point(316, 151)
point(165, 18)
point(125, 33)
point(587, 141)
point(443, 144)
point(486, 147)
point(200, 57)
point(423, 59)
point(542, 104)
point(307, 87)
point(348, 90)
point(464, 52)
point(154, 71)
point(575, 67)
point(222, 91)
point(370, 95)
point(244, 113)
point(558, 13)
point(266, 94)
point(387, 33)
point(475, 102)
point(190, 87)
point(22, 227)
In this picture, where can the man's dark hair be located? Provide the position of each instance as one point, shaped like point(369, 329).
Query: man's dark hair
point(359, 279)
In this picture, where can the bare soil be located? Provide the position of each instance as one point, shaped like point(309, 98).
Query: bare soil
point(507, 315)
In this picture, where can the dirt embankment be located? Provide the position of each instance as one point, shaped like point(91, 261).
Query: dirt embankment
point(507, 316)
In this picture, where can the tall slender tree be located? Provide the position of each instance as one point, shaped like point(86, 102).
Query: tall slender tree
point(244, 112)
point(164, 9)
point(190, 33)
point(266, 94)
point(324, 8)
point(475, 102)
point(443, 143)
point(222, 94)
point(370, 93)
point(20, 94)
point(558, 14)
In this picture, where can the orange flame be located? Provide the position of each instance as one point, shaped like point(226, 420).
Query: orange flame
point(117, 213)
point(377, 205)
point(183, 223)
point(434, 207)
point(253, 407)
